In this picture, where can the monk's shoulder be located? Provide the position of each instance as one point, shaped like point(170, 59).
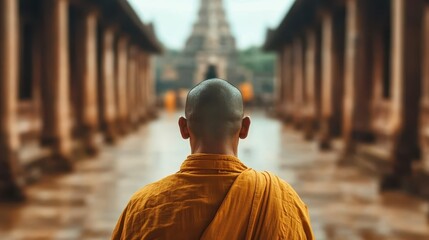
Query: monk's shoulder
point(146, 193)
point(284, 186)
point(289, 196)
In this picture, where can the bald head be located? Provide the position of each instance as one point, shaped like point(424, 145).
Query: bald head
point(214, 109)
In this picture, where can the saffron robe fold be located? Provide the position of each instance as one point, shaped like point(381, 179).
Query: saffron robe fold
point(260, 206)
point(215, 197)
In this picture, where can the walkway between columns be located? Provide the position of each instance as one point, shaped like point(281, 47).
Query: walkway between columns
point(85, 204)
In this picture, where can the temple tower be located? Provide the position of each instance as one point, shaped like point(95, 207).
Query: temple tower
point(210, 48)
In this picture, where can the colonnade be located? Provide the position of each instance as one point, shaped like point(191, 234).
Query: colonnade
point(89, 76)
point(357, 70)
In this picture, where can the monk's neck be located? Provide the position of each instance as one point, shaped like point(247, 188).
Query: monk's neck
point(213, 149)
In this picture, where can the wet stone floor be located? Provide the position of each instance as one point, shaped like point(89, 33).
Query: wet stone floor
point(344, 203)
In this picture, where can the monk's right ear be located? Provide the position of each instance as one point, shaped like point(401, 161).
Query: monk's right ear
point(245, 125)
point(183, 125)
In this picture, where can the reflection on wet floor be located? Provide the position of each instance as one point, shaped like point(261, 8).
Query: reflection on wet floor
point(344, 203)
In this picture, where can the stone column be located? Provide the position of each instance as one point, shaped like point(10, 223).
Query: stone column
point(378, 64)
point(56, 100)
point(299, 86)
point(310, 86)
point(86, 73)
point(137, 88)
point(121, 84)
point(279, 84)
point(285, 87)
point(397, 62)
point(109, 113)
point(282, 85)
point(142, 86)
point(289, 86)
point(358, 85)
point(327, 78)
point(406, 80)
point(146, 84)
point(150, 85)
point(425, 88)
point(10, 173)
point(131, 86)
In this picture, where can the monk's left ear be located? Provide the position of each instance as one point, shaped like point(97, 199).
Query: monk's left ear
point(245, 125)
point(183, 125)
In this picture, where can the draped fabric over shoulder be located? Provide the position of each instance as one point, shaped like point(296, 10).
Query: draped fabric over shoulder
point(215, 197)
point(260, 206)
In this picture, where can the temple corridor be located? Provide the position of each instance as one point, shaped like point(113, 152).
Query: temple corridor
point(344, 203)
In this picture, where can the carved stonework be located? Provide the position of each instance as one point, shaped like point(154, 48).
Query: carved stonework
point(210, 45)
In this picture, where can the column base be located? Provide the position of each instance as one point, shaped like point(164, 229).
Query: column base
point(153, 113)
point(60, 164)
point(309, 128)
point(143, 120)
point(111, 138)
point(348, 153)
point(390, 182)
point(87, 135)
point(12, 193)
point(400, 160)
point(346, 158)
point(58, 161)
point(12, 182)
point(417, 183)
point(124, 127)
point(91, 147)
point(308, 135)
point(298, 122)
point(286, 119)
point(325, 135)
point(325, 142)
point(110, 133)
point(134, 124)
point(325, 145)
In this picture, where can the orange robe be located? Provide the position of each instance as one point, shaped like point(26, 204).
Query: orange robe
point(215, 197)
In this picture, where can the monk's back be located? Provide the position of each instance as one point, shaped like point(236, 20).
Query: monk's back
point(182, 205)
point(186, 205)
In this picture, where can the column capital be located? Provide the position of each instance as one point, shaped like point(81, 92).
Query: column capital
point(113, 27)
point(323, 12)
point(88, 8)
point(125, 38)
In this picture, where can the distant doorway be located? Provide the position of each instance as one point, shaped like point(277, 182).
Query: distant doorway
point(211, 72)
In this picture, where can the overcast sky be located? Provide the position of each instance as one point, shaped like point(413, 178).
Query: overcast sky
point(249, 19)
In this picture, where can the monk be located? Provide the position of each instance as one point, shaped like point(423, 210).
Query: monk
point(214, 195)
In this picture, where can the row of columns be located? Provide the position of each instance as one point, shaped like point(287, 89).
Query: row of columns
point(111, 97)
point(326, 86)
point(304, 99)
point(126, 85)
point(350, 67)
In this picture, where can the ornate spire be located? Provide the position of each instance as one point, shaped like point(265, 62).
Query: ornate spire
point(211, 32)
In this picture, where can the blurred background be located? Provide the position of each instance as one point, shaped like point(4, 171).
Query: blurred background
point(91, 91)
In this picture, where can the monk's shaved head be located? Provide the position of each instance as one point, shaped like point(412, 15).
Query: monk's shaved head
point(214, 109)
